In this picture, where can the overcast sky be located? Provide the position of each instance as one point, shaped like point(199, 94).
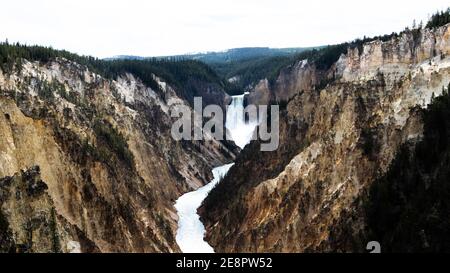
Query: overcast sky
point(167, 27)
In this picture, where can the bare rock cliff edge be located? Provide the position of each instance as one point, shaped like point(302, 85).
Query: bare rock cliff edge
point(340, 129)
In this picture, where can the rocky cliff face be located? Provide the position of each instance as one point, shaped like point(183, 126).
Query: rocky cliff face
point(29, 221)
point(340, 130)
point(88, 163)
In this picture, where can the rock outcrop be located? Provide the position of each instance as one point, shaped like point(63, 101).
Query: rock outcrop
point(339, 131)
point(28, 218)
point(102, 159)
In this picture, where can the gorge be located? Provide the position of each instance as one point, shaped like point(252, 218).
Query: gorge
point(342, 125)
point(191, 231)
point(88, 162)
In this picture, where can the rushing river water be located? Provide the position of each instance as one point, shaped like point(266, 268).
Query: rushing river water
point(191, 231)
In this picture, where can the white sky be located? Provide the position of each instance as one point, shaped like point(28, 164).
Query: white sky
point(165, 27)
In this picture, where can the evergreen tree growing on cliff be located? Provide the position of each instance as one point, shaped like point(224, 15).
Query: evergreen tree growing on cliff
point(439, 19)
point(408, 207)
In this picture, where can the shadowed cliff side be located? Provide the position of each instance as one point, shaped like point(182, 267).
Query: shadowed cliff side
point(105, 153)
point(407, 209)
point(28, 219)
point(336, 137)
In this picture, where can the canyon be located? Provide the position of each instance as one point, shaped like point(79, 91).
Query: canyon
point(88, 162)
point(191, 231)
point(340, 129)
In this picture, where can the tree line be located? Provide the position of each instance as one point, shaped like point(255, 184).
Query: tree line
point(177, 72)
point(438, 19)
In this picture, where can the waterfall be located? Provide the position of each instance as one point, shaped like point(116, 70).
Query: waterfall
point(235, 113)
point(191, 231)
point(240, 129)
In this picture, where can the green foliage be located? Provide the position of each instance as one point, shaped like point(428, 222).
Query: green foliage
point(325, 57)
point(3, 223)
point(177, 72)
point(249, 64)
point(56, 244)
point(69, 96)
point(108, 135)
point(408, 207)
point(249, 72)
point(45, 91)
point(11, 55)
point(369, 143)
point(183, 74)
point(439, 19)
point(6, 241)
point(237, 55)
point(163, 226)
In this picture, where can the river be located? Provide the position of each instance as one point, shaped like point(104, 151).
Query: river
point(191, 231)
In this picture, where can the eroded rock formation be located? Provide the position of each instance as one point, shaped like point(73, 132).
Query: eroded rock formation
point(110, 168)
point(339, 131)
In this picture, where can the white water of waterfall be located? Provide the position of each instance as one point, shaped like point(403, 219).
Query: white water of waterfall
point(240, 130)
point(191, 231)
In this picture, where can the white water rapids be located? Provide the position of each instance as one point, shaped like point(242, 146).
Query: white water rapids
point(191, 231)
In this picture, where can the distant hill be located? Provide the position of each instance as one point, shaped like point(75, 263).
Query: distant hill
point(243, 67)
point(226, 56)
point(124, 57)
point(241, 54)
